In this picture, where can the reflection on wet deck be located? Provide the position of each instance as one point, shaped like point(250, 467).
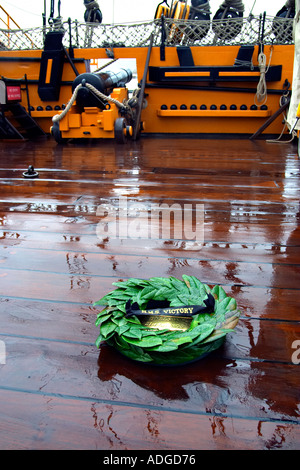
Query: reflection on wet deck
point(57, 390)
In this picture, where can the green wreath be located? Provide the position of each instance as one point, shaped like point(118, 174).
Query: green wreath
point(122, 322)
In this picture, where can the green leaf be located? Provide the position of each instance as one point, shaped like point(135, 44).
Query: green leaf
point(107, 328)
point(162, 293)
point(168, 346)
point(133, 291)
point(130, 282)
point(120, 296)
point(119, 342)
point(184, 299)
point(122, 308)
point(200, 318)
point(179, 285)
point(147, 293)
point(102, 319)
point(141, 357)
point(139, 300)
point(217, 334)
point(121, 284)
point(232, 304)
point(134, 320)
point(207, 289)
point(201, 332)
point(133, 333)
point(222, 293)
point(147, 342)
point(158, 281)
point(103, 312)
point(195, 322)
point(115, 303)
point(119, 320)
point(102, 301)
point(174, 358)
point(121, 329)
point(129, 350)
point(196, 287)
point(182, 340)
point(99, 340)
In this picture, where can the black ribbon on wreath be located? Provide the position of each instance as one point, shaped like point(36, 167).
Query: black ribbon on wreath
point(162, 308)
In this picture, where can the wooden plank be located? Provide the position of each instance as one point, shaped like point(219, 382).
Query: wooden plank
point(85, 288)
point(55, 423)
point(80, 242)
point(44, 262)
point(25, 316)
point(23, 215)
point(252, 233)
point(204, 191)
point(77, 370)
point(59, 321)
point(207, 174)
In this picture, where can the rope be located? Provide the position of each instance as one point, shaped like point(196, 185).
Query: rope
point(261, 93)
point(278, 141)
point(236, 4)
point(203, 7)
point(91, 5)
point(250, 14)
point(91, 8)
point(59, 117)
point(294, 133)
point(290, 4)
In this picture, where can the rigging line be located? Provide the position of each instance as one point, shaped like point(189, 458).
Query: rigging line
point(252, 8)
point(51, 9)
point(21, 9)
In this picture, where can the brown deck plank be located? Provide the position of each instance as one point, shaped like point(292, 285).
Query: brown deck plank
point(38, 367)
point(85, 264)
point(78, 242)
point(58, 391)
point(89, 288)
point(255, 303)
point(220, 225)
point(212, 192)
point(64, 423)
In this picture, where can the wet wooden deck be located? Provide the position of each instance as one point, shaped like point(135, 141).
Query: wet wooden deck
point(57, 391)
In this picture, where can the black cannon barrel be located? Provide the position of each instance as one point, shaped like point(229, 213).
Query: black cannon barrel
point(104, 82)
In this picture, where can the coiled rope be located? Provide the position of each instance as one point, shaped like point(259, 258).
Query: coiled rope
point(204, 7)
point(261, 92)
point(59, 117)
point(238, 5)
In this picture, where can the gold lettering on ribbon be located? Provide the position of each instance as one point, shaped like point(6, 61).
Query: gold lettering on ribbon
point(170, 311)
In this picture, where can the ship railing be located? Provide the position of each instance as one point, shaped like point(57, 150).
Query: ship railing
point(239, 31)
point(8, 21)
